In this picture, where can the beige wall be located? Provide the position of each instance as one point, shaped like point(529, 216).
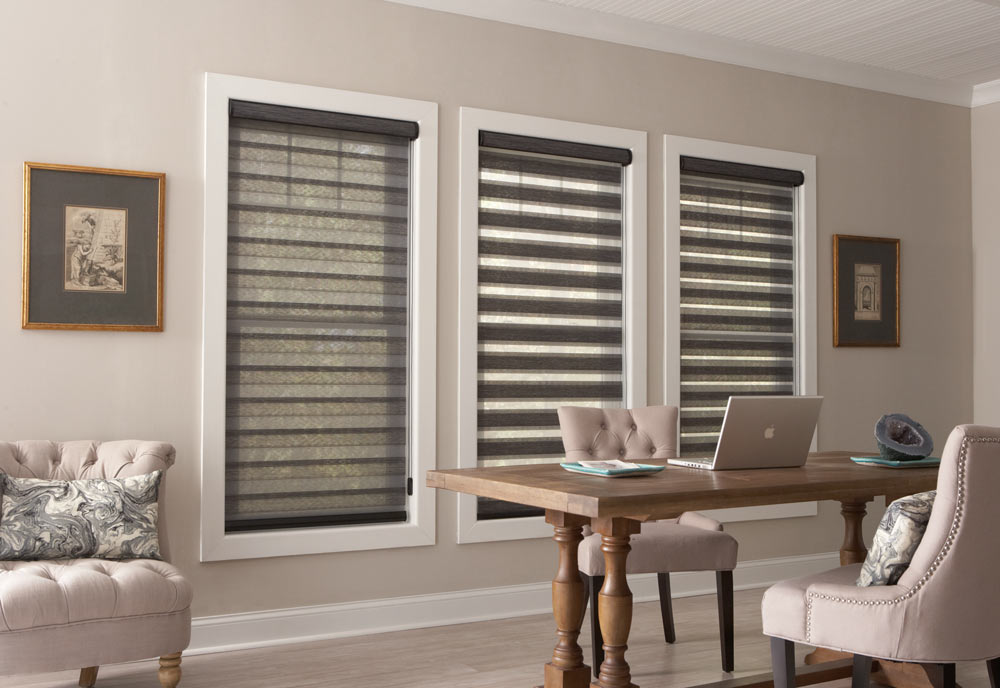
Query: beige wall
point(986, 255)
point(119, 84)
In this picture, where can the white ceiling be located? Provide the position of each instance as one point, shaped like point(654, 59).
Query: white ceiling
point(942, 39)
point(944, 50)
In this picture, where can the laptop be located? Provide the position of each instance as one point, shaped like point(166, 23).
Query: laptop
point(762, 432)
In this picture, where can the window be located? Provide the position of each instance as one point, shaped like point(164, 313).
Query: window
point(737, 291)
point(549, 244)
point(317, 332)
point(323, 320)
point(740, 285)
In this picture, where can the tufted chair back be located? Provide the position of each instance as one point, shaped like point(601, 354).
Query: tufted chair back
point(594, 434)
point(87, 460)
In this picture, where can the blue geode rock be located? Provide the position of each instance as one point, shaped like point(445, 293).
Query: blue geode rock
point(900, 438)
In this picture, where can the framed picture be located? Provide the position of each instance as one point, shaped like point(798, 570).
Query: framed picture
point(865, 291)
point(93, 249)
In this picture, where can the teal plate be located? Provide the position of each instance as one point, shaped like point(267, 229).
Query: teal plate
point(643, 469)
point(891, 463)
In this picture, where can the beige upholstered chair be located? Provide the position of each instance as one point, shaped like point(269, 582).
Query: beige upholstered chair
point(73, 613)
point(690, 543)
point(944, 608)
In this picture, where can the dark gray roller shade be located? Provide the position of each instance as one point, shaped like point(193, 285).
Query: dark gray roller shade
point(317, 326)
point(735, 170)
point(567, 149)
point(266, 112)
point(550, 317)
point(737, 299)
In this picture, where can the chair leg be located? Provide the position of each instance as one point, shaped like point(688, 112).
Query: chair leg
point(170, 670)
point(862, 673)
point(724, 596)
point(948, 676)
point(594, 585)
point(88, 677)
point(666, 607)
point(783, 662)
point(993, 667)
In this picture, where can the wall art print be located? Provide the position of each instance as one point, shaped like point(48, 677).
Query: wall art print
point(93, 248)
point(865, 291)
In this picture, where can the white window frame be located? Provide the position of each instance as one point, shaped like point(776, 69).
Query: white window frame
point(805, 281)
point(419, 528)
point(470, 529)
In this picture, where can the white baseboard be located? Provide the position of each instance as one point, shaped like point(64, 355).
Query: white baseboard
point(322, 622)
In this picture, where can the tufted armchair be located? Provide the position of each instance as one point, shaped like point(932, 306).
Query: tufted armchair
point(73, 613)
point(690, 543)
point(944, 607)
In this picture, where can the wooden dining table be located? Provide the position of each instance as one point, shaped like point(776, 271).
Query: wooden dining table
point(617, 509)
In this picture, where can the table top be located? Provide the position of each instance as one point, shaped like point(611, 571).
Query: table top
point(667, 494)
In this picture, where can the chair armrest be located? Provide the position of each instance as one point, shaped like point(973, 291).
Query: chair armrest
point(865, 620)
point(696, 520)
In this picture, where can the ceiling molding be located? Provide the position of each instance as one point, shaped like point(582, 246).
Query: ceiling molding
point(539, 14)
point(984, 94)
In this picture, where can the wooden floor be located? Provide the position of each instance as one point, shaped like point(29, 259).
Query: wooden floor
point(493, 654)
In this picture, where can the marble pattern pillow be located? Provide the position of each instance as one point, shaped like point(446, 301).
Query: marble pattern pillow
point(71, 519)
point(898, 535)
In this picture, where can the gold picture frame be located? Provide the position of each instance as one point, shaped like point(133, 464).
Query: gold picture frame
point(93, 248)
point(866, 291)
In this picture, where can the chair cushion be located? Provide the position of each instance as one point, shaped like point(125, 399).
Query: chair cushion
point(63, 519)
point(784, 606)
point(34, 594)
point(665, 547)
point(898, 535)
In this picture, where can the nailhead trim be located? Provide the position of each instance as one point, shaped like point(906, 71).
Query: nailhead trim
point(948, 542)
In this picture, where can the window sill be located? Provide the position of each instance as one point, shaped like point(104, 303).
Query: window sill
point(282, 543)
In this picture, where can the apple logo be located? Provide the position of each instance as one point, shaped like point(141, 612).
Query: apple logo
point(769, 432)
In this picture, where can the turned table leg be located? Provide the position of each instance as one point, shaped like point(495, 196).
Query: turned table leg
point(567, 670)
point(853, 550)
point(615, 601)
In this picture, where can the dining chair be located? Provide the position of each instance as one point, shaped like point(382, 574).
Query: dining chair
point(945, 606)
point(692, 542)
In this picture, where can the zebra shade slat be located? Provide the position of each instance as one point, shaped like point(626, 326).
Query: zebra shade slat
point(317, 324)
point(736, 298)
point(550, 316)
